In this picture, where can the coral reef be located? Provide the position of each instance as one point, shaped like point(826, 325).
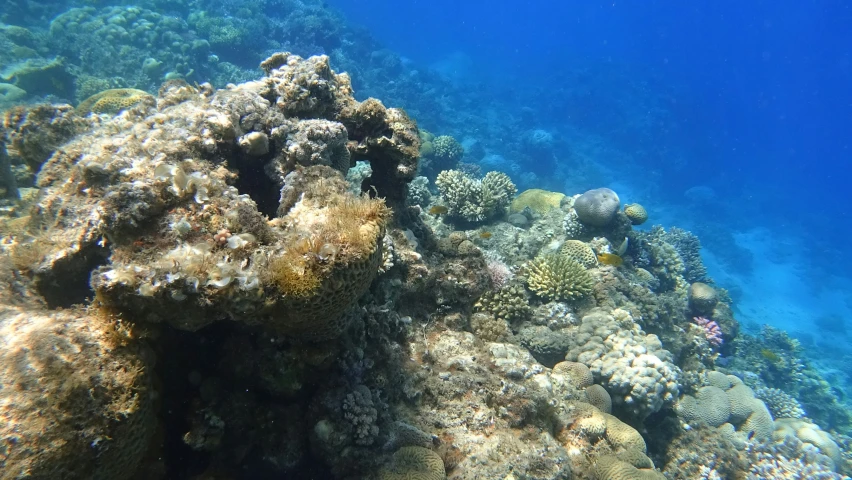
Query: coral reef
point(262, 252)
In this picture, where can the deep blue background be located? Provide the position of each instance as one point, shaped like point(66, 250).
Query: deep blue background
point(766, 102)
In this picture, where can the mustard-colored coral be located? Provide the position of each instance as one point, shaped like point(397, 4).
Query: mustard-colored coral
point(537, 200)
point(321, 273)
point(112, 101)
point(559, 278)
point(414, 463)
point(610, 467)
point(580, 252)
point(636, 213)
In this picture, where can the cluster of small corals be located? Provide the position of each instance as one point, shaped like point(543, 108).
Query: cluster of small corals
point(573, 228)
point(361, 413)
point(712, 332)
point(781, 404)
point(555, 315)
point(222, 236)
point(708, 473)
point(790, 459)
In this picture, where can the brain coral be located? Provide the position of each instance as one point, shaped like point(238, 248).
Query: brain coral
point(414, 463)
point(580, 252)
point(636, 213)
point(112, 101)
point(537, 200)
point(710, 405)
point(599, 397)
point(807, 432)
point(610, 467)
point(475, 200)
point(702, 298)
point(555, 277)
point(597, 207)
point(580, 374)
point(737, 405)
point(76, 401)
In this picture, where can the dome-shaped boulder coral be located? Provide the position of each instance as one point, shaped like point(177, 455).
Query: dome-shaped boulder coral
point(414, 463)
point(75, 399)
point(702, 298)
point(636, 213)
point(597, 207)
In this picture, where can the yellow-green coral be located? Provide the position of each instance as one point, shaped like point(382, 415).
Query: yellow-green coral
point(508, 303)
point(558, 278)
point(537, 200)
point(414, 463)
point(112, 101)
point(321, 274)
point(636, 213)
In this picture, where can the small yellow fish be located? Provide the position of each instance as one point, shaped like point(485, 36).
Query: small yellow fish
point(610, 259)
point(438, 210)
point(770, 355)
point(485, 234)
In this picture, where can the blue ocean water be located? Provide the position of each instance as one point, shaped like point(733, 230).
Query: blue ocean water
point(729, 119)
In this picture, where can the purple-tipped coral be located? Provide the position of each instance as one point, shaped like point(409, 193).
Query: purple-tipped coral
point(712, 332)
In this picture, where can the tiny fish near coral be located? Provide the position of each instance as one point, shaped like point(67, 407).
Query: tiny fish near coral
point(610, 259)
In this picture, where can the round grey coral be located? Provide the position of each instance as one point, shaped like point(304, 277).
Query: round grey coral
point(597, 207)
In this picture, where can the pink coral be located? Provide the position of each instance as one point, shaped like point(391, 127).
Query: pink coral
point(712, 332)
point(499, 272)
